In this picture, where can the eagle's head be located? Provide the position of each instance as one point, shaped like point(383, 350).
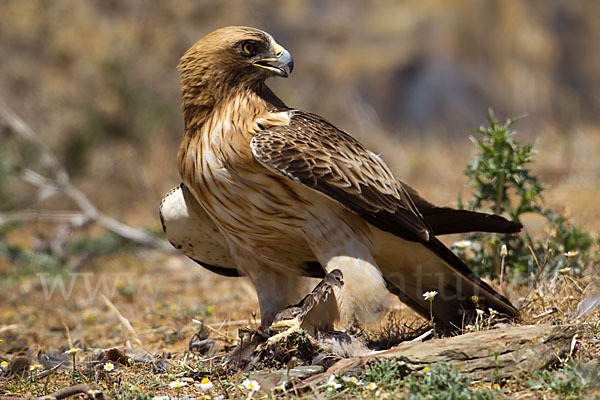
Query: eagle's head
point(234, 56)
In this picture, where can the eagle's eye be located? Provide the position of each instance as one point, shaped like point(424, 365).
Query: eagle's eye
point(248, 49)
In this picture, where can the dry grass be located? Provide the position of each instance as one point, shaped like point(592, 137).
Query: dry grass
point(160, 295)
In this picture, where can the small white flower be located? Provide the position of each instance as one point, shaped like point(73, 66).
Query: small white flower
point(177, 384)
point(493, 312)
point(73, 350)
point(571, 253)
point(462, 244)
point(565, 270)
point(35, 367)
point(3, 365)
point(109, 366)
point(479, 312)
point(205, 384)
point(280, 387)
point(352, 380)
point(429, 295)
point(570, 297)
point(503, 251)
point(251, 385)
point(371, 386)
point(561, 377)
point(332, 384)
point(160, 398)
point(94, 392)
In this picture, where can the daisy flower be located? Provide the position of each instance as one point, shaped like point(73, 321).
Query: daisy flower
point(371, 386)
point(429, 295)
point(462, 244)
point(94, 392)
point(251, 385)
point(280, 387)
point(205, 384)
point(73, 350)
point(109, 366)
point(177, 384)
point(479, 312)
point(351, 380)
point(35, 367)
point(332, 384)
point(571, 253)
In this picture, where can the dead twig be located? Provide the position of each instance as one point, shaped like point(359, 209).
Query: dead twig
point(124, 321)
point(61, 184)
point(68, 392)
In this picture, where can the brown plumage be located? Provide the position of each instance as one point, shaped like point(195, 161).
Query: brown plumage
point(293, 197)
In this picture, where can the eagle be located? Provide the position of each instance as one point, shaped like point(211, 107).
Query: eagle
point(283, 197)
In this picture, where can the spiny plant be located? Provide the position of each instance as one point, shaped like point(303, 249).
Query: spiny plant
point(503, 183)
point(570, 382)
point(443, 381)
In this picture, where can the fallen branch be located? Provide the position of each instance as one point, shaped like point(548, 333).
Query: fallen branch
point(61, 184)
point(68, 392)
point(124, 321)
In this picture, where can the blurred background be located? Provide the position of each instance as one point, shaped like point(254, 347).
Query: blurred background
point(97, 81)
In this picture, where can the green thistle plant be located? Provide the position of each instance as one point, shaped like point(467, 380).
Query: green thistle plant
point(504, 185)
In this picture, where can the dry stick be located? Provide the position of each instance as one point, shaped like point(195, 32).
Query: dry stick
point(224, 335)
point(61, 184)
point(68, 333)
point(226, 324)
point(68, 392)
point(61, 394)
point(124, 321)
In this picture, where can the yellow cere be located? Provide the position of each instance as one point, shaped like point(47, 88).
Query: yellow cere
point(278, 49)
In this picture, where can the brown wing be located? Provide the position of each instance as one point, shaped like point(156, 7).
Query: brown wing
point(312, 151)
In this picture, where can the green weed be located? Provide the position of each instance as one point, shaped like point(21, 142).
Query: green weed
point(504, 185)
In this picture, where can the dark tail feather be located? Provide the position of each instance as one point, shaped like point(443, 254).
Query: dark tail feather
point(456, 285)
point(446, 220)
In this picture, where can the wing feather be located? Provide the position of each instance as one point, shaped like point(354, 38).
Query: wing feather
point(312, 151)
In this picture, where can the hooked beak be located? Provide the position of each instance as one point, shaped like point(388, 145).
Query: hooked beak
point(282, 64)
